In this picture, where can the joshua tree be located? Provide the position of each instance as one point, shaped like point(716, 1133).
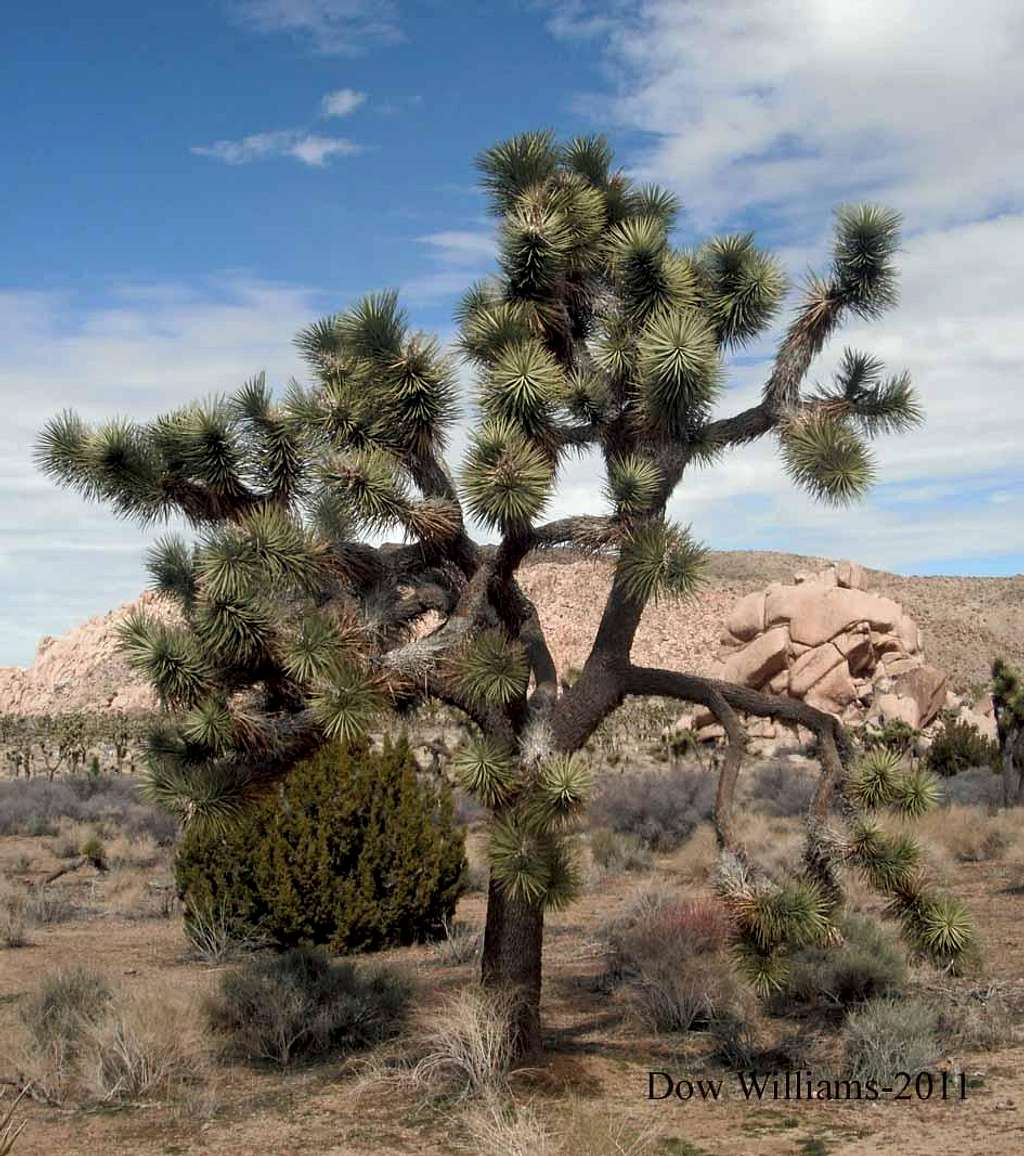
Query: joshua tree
point(1008, 707)
point(597, 336)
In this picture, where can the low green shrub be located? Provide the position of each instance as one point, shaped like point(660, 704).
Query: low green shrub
point(957, 746)
point(356, 852)
point(299, 1005)
point(617, 853)
point(868, 963)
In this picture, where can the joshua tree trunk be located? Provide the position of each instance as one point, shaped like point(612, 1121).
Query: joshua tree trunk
point(513, 941)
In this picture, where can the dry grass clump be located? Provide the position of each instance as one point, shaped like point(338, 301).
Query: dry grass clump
point(460, 944)
point(969, 834)
point(24, 907)
point(776, 845)
point(141, 852)
point(13, 916)
point(888, 1036)
point(85, 1043)
point(144, 1048)
point(499, 1126)
point(465, 1047)
point(696, 858)
point(980, 1019)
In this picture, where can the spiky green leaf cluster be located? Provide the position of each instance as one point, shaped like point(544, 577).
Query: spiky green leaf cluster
point(561, 790)
point(875, 777)
point(506, 480)
point(633, 485)
point(891, 862)
point(745, 287)
point(874, 404)
point(680, 370)
point(866, 239)
point(168, 657)
point(533, 866)
point(491, 669)
point(659, 558)
point(347, 704)
point(824, 456)
point(523, 388)
point(486, 769)
point(916, 793)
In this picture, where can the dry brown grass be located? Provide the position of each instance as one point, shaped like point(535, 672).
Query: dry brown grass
point(150, 1045)
point(500, 1126)
point(81, 1043)
point(969, 834)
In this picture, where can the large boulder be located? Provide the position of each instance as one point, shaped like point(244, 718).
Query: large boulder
point(827, 640)
point(747, 618)
point(819, 616)
point(811, 667)
point(926, 685)
point(851, 576)
point(757, 662)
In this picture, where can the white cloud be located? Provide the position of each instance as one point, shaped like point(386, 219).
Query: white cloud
point(773, 113)
point(461, 247)
point(342, 102)
point(796, 103)
point(152, 348)
point(309, 148)
point(332, 27)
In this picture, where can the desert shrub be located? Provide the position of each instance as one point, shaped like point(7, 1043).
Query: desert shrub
point(780, 789)
point(661, 807)
point(111, 803)
point(977, 787)
point(615, 853)
point(357, 852)
point(957, 746)
point(49, 905)
point(671, 956)
point(893, 735)
point(889, 1035)
point(301, 1005)
point(980, 1020)
point(869, 963)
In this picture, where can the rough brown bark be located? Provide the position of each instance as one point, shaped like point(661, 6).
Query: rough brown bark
point(513, 943)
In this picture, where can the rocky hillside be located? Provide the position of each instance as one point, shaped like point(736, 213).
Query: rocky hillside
point(964, 622)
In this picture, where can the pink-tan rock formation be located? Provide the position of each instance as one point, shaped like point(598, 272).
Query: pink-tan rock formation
point(827, 640)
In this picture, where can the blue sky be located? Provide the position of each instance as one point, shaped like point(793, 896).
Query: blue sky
point(184, 186)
